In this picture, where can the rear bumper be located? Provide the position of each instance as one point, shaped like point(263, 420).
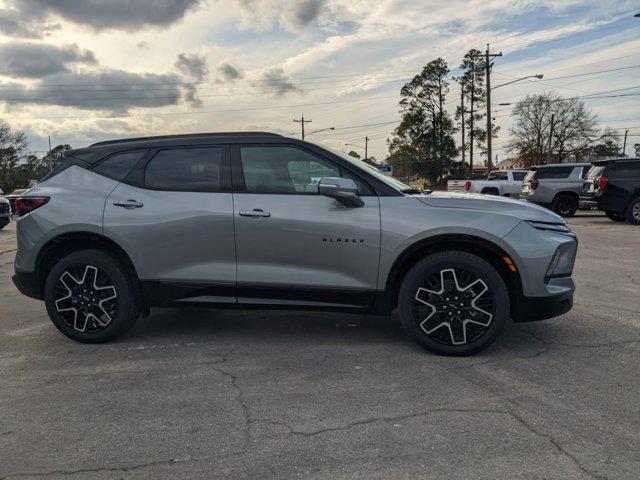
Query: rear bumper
point(530, 309)
point(28, 284)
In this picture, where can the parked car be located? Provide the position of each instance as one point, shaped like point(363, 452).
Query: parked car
point(236, 220)
point(615, 186)
point(5, 211)
point(556, 186)
point(506, 183)
point(456, 185)
point(13, 195)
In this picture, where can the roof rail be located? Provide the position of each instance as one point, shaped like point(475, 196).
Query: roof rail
point(186, 135)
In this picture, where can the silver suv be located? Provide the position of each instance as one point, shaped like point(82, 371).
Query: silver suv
point(260, 220)
point(556, 186)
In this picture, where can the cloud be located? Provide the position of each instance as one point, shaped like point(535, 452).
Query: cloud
point(111, 90)
point(276, 83)
point(113, 14)
point(192, 65)
point(228, 73)
point(13, 23)
point(35, 60)
point(269, 14)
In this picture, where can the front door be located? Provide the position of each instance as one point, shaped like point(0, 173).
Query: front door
point(294, 246)
point(177, 225)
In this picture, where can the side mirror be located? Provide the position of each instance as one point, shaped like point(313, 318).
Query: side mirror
point(344, 190)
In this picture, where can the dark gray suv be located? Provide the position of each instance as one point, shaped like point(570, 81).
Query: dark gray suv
point(260, 220)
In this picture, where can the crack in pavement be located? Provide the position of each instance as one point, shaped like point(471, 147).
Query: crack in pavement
point(96, 469)
point(8, 251)
point(369, 421)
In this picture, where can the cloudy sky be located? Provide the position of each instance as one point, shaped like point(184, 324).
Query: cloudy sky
point(83, 71)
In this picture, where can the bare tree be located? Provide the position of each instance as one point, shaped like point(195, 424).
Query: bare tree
point(13, 144)
point(551, 129)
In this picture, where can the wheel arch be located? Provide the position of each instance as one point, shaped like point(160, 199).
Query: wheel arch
point(59, 246)
point(491, 191)
point(566, 192)
point(486, 249)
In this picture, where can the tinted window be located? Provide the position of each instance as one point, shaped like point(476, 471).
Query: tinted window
point(497, 176)
point(119, 165)
point(554, 172)
point(185, 169)
point(585, 172)
point(286, 170)
point(519, 176)
point(625, 170)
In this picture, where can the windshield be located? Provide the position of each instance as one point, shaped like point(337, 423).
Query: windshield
point(397, 184)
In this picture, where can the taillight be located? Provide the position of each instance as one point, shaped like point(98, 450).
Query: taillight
point(26, 205)
point(533, 183)
point(602, 183)
point(467, 186)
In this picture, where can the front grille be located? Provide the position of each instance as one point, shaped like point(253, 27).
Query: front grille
point(4, 208)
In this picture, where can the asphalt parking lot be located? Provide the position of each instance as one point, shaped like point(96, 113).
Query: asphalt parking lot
point(228, 394)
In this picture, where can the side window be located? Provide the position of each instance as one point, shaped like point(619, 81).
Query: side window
point(497, 176)
point(185, 169)
point(286, 170)
point(585, 172)
point(554, 172)
point(519, 176)
point(626, 170)
point(119, 165)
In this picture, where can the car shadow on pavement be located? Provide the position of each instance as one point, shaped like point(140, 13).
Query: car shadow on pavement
point(230, 327)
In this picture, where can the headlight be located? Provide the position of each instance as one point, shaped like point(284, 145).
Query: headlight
point(562, 262)
point(553, 227)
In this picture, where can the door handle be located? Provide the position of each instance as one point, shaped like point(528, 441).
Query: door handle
point(255, 213)
point(129, 204)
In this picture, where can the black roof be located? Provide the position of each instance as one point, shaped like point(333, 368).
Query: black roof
point(188, 136)
point(609, 160)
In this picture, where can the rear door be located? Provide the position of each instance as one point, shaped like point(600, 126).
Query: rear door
point(624, 181)
point(294, 246)
point(175, 219)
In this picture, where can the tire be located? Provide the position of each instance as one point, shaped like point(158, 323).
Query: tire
point(490, 191)
point(481, 289)
point(615, 216)
point(633, 211)
point(92, 315)
point(565, 205)
point(3, 224)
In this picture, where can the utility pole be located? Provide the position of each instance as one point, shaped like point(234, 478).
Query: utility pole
point(472, 111)
point(462, 112)
point(366, 148)
point(302, 121)
point(624, 145)
point(551, 138)
point(50, 159)
point(488, 56)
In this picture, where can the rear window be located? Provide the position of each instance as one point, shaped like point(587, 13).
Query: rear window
point(624, 170)
point(497, 176)
point(519, 176)
point(531, 174)
point(185, 169)
point(554, 172)
point(119, 165)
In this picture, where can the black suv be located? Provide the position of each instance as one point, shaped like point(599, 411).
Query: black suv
point(615, 185)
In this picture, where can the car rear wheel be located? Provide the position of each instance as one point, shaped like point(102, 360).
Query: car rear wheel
point(3, 224)
point(91, 296)
point(615, 216)
point(453, 303)
point(633, 211)
point(565, 205)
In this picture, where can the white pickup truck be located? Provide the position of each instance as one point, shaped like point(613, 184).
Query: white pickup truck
point(506, 183)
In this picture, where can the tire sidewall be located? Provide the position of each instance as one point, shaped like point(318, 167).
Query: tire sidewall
point(562, 197)
point(127, 312)
point(434, 264)
point(629, 214)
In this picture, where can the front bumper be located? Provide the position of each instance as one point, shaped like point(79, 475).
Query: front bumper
point(531, 309)
point(28, 284)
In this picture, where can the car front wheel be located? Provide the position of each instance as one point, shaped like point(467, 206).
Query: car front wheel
point(91, 297)
point(453, 303)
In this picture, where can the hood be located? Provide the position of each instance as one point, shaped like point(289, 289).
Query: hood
point(491, 203)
